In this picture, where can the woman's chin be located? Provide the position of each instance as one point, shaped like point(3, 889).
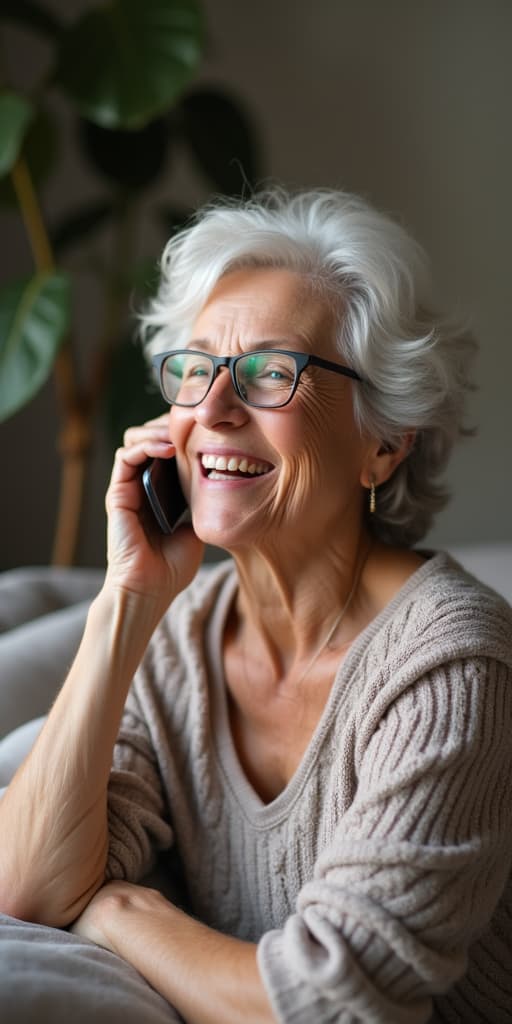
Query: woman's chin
point(222, 531)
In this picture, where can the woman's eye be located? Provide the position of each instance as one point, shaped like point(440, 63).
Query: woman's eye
point(267, 371)
point(277, 373)
point(195, 371)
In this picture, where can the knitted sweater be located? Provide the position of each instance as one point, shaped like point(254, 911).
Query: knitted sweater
point(377, 884)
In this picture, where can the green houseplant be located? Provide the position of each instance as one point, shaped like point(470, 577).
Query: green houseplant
point(126, 71)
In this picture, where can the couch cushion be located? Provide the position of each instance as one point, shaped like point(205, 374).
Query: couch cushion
point(31, 591)
point(15, 746)
point(34, 661)
point(50, 975)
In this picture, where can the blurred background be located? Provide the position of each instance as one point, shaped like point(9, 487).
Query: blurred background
point(404, 101)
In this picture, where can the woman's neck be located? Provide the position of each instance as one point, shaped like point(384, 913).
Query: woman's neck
point(289, 609)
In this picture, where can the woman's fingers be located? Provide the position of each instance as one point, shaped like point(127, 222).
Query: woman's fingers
point(136, 454)
point(125, 488)
point(157, 429)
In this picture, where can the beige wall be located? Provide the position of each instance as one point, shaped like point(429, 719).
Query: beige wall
point(407, 102)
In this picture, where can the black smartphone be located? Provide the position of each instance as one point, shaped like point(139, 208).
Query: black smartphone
point(162, 486)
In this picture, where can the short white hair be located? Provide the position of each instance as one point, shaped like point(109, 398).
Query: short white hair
point(415, 362)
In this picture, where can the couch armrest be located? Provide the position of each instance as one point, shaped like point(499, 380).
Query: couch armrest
point(29, 592)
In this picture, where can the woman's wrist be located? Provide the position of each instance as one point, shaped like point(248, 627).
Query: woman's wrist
point(119, 627)
point(119, 604)
point(207, 976)
point(117, 914)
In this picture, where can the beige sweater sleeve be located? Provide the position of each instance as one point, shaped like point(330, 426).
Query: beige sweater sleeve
point(417, 863)
point(137, 814)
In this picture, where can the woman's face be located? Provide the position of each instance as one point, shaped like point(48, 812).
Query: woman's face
point(308, 455)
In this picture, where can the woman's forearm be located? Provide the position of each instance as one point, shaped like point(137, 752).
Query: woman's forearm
point(207, 976)
point(53, 817)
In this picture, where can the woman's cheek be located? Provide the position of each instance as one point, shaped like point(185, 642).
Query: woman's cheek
point(300, 481)
point(179, 425)
point(321, 466)
point(179, 428)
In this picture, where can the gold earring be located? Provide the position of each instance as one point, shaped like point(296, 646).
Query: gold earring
point(372, 498)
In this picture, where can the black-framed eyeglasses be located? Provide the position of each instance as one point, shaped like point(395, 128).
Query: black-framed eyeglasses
point(263, 379)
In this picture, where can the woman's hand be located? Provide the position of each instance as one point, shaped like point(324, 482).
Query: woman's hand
point(98, 922)
point(141, 559)
point(206, 976)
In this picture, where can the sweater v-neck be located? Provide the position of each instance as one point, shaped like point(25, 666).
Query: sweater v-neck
point(265, 815)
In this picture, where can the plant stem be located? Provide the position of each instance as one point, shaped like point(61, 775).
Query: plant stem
point(31, 213)
point(76, 431)
point(74, 446)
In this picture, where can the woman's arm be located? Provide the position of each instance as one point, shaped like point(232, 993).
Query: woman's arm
point(208, 977)
point(53, 817)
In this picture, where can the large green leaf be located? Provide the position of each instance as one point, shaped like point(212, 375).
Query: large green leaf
point(39, 149)
point(34, 315)
point(222, 139)
point(125, 63)
point(15, 115)
point(131, 159)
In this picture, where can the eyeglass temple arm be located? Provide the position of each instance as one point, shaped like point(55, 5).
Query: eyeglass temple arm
point(327, 365)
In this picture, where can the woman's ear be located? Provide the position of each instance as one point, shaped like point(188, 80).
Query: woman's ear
point(381, 461)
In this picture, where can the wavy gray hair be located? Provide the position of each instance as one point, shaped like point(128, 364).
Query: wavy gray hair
point(415, 361)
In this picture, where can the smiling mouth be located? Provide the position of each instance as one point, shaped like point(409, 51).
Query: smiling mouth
point(225, 467)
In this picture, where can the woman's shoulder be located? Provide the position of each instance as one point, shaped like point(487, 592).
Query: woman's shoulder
point(443, 606)
point(443, 581)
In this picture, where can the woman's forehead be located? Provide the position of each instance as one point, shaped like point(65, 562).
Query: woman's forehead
point(269, 304)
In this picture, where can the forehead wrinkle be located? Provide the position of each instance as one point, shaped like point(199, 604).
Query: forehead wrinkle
point(263, 343)
point(242, 331)
point(295, 317)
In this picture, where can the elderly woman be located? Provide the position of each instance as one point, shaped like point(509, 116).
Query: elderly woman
point(320, 725)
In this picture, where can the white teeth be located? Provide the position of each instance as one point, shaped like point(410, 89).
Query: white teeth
point(233, 464)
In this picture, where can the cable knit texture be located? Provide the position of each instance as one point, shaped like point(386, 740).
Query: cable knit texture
point(377, 884)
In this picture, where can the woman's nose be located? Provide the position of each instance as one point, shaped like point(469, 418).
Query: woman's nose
point(222, 404)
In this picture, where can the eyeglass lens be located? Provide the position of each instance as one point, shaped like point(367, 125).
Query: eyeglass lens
point(263, 378)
